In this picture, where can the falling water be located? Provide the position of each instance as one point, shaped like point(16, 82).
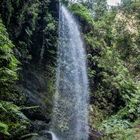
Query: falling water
point(70, 114)
point(53, 135)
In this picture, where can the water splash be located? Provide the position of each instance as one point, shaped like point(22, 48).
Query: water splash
point(70, 114)
point(53, 135)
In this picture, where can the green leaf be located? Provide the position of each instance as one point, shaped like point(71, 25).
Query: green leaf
point(4, 128)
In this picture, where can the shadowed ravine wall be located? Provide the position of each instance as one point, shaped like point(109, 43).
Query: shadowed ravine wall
point(32, 26)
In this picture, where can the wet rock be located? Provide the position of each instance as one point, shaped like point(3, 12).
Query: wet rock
point(42, 135)
point(38, 138)
point(95, 135)
point(33, 86)
point(46, 133)
point(40, 125)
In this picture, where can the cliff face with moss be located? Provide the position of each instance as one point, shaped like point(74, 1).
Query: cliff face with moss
point(28, 47)
point(28, 66)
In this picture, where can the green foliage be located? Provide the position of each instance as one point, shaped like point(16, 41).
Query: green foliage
point(113, 69)
point(117, 129)
point(50, 38)
point(82, 12)
point(30, 25)
point(112, 42)
point(116, 74)
point(96, 116)
point(13, 121)
point(8, 62)
point(126, 34)
point(99, 8)
point(4, 128)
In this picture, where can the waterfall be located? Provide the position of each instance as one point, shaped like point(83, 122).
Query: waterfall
point(53, 135)
point(70, 113)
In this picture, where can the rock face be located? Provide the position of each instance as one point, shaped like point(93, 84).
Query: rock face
point(95, 135)
point(34, 87)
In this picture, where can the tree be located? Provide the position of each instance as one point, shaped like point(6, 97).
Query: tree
point(99, 8)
